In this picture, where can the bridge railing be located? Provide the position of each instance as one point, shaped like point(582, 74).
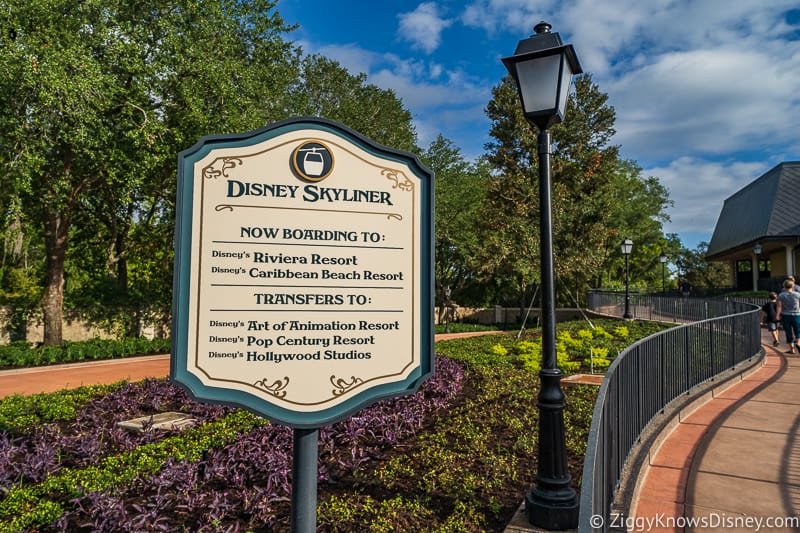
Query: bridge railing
point(650, 374)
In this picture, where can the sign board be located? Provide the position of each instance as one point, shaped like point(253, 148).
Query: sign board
point(303, 286)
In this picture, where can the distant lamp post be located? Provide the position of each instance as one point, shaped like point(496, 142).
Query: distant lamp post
point(757, 269)
point(542, 67)
point(663, 260)
point(627, 247)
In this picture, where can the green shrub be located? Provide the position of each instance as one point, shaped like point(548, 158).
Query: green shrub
point(601, 333)
point(18, 411)
point(529, 354)
point(597, 363)
point(621, 332)
point(20, 354)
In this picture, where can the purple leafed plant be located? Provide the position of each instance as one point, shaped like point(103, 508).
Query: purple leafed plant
point(247, 484)
point(93, 433)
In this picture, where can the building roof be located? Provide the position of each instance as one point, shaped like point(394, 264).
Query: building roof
point(768, 207)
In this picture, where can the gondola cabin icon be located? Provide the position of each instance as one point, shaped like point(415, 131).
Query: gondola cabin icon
point(312, 161)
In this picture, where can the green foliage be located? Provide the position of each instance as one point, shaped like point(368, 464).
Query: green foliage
point(327, 89)
point(529, 353)
point(600, 352)
point(597, 363)
point(600, 333)
point(17, 411)
point(597, 196)
point(699, 271)
point(464, 327)
point(19, 354)
point(364, 513)
point(19, 291)
point(459, 189)
point(96, 98)
point(452, 459)
point(455, 459)
point(479, 351)
point(499, 350)
point(575, 342)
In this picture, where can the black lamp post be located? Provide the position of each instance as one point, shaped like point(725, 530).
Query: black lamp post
point(542, 67)
point(757, 269)
point(663, 259)
point(627, 247)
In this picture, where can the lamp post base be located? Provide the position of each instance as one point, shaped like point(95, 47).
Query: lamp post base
point(552, 503)
point(552, 513)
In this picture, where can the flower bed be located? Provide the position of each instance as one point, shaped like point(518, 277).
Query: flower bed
point(234, 467)
point(458, 455)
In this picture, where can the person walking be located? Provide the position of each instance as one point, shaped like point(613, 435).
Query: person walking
point(769, 317)
point(796, 286)
point(789, 314)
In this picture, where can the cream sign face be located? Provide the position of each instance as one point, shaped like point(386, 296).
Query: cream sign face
point(303, 272)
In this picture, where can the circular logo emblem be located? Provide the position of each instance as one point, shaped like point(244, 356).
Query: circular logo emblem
point(312, 161)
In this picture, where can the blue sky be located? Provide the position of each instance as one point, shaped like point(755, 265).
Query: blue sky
point(706, 92)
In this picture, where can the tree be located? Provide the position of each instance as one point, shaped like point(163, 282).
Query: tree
point(98, 97)
point(326, 89)
point(702, 273)
point(595, 194)
point(509, 233)
point(459, 189)
point(19, 271)
point(637, 211)
point(585, 184)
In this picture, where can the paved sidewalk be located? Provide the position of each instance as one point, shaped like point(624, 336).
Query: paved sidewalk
point(57, 377)
point(734, 463)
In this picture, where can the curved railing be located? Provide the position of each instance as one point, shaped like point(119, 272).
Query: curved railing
point(650, 374)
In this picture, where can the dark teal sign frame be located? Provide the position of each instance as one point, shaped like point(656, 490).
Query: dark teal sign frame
point(183, 266)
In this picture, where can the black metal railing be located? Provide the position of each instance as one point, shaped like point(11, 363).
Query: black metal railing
point(650, 374)
point(665, 308)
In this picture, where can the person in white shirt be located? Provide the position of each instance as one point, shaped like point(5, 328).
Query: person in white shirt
point(789, 314)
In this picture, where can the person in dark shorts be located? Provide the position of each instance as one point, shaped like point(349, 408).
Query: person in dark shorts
point(789, 314)
point(769, 317)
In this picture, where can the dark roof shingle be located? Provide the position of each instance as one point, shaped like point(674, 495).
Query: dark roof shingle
point(767, 207)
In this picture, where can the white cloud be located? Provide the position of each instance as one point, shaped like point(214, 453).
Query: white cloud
point(452, 105)
point(446, 101)
point(512, 16)
point(423, 27)
point(707, 94)
point(610, 35)
point(352, 57)
point(708, 102)
point(699, 187)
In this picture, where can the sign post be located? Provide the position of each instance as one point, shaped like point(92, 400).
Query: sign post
point(303, 285)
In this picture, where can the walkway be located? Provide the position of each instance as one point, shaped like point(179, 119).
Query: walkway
point(734, 463)
point(70, 376)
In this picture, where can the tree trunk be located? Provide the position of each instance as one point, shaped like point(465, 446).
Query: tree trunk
point(55, 238)
point(13, 244)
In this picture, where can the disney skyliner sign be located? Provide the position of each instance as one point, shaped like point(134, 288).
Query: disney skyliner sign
point(303, 285)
